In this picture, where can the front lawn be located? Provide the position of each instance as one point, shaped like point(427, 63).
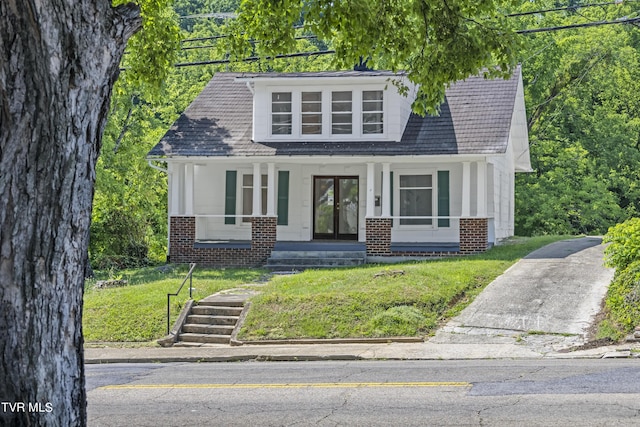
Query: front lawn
point(408, 299)
point(138, 312)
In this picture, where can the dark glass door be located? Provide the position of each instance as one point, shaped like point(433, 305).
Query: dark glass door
point(335, 207)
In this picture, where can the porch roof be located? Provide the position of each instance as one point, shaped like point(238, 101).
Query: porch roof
point(475, 118)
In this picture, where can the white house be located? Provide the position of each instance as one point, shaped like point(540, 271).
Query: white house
point(262, 162)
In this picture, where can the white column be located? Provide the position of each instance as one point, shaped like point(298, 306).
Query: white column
point(188, 189)
point(271, 189)
point(257, 190)
point(466, 190)
point(174, 187)
point(482, 189)
point(370, 190)
point(386, 190)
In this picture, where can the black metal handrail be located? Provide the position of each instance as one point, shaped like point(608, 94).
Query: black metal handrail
point(188, 276)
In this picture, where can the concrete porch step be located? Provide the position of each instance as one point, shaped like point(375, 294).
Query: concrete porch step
point(216, 310)
point(208, 329)
point(302, 259)
point(203, 319)
point(204, 338)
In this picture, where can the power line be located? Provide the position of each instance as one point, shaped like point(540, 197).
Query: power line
point(584, 25)
point(256, 58)
point(558, 9)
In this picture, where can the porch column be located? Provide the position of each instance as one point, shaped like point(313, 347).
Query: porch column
point(188, 189)
point(370, 190)
point(482, 189)
point(386, 190)
point(257, 190)
point(175, 170)
point(271, 189)
point(466, 190)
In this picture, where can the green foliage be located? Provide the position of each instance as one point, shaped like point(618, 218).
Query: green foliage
point(152, 51)
point(623, 298)
point(435, 42)
point(582, 91)
point(624, 249)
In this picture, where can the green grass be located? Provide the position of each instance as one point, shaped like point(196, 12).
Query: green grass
point(371, 301)
point(138, 312)
point(350, 302)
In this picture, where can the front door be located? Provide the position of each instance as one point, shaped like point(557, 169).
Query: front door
point(335, 207)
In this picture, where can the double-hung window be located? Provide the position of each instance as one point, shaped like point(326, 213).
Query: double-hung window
point(247, 196)
point(372, 112)
point(311, 113)
point(281, 115)
point(341, 113)
point(416, 199)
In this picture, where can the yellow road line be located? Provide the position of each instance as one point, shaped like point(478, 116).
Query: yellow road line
point(290, 385)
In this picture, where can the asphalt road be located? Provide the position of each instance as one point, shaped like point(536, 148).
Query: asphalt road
point(368, 393)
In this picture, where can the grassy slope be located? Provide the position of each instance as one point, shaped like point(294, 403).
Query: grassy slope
point(372, 301)
point(138, 312)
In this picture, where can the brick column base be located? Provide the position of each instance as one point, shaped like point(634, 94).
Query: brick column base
point(378, 235)
point(474, 235)
point(263, 237)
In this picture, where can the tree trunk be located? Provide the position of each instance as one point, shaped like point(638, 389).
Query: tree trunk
point(58, 62)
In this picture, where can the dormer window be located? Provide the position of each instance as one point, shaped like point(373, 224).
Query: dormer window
point(341, 114)
point(311, 113)
point(281, 122)
point(372, 111)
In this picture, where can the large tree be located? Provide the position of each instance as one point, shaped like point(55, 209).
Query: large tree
point(58, 62)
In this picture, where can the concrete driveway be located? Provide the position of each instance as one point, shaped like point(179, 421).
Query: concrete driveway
point(549, 298)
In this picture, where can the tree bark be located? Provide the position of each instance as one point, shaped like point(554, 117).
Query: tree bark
point(58, 62)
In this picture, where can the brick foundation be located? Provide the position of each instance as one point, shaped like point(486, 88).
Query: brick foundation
point(183, 235)
point(474, 235)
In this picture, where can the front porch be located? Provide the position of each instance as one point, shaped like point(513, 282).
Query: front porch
point(264, 247)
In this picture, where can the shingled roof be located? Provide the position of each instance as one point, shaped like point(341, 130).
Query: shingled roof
point(474, 119)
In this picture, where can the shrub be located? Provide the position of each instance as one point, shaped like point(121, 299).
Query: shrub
point(625, 244)
point(623, 297)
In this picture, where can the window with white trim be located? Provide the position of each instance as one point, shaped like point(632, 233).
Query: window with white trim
point(247, 196)
point(372, 112)
point(311, 110)
point(416, 199)
point(281, 114)
point(341, 113)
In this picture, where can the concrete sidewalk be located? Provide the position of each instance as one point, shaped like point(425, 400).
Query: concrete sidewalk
point(539, 308)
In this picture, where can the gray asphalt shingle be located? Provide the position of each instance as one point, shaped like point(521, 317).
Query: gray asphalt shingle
point(474, 119)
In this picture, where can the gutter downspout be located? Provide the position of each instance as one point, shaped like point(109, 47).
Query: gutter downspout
point(163, 170)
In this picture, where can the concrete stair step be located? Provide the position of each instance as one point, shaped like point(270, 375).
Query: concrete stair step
point(215, 310)
point(205, 319)
point(224, 301)
point(315, 261)
point(318, 254)
point(207, 329)
point(204, 338)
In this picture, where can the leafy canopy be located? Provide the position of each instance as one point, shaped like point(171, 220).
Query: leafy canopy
point(435, 42)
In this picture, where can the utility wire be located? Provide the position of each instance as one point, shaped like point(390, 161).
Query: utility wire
point(558, 9)
point(584, 25)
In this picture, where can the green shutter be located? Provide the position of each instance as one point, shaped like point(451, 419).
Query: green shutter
point(230, 197)
point(283, 197)
point(443, 198)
